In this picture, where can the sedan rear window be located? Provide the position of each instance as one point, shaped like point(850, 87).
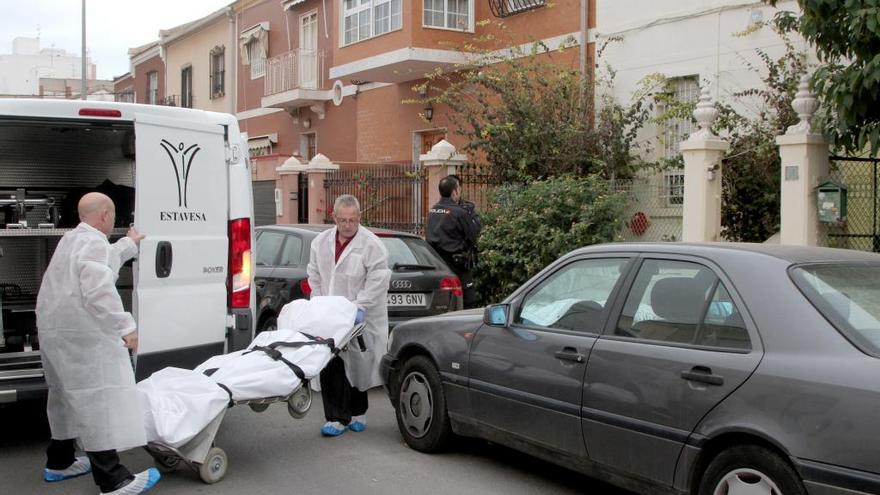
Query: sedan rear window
point(848, 295)
point(410, 253)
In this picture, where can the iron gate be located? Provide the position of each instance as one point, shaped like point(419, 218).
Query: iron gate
point(860, 229)
point(391, 195)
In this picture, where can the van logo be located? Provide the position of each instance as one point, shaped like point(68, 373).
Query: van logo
point(181, 160)
point(401, 284)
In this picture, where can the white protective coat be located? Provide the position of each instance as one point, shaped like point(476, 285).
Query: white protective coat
point(361, 276)
point(81, 322)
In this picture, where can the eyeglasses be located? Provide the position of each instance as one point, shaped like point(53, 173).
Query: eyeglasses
point(347, 221)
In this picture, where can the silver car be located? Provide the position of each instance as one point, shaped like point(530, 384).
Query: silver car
point(664, 368)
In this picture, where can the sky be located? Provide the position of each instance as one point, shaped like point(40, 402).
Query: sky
point(112, 26)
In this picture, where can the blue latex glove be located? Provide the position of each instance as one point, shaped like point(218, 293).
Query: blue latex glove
point(359, 317)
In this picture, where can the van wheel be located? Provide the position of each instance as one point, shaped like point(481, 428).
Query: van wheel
point(749, 469)
point(421, 412)
point(269, 324)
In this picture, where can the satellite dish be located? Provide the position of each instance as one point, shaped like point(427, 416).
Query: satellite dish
point(337, 93)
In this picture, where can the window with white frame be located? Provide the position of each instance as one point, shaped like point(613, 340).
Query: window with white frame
point(683, 90)
point(152, 88)
point(448, 14)
point(673, 188)
point(363, 19)
point(257, 60)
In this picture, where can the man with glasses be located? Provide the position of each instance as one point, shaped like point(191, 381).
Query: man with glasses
point(350, 261)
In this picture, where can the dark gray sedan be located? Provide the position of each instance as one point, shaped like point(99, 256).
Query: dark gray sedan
point(421, 283)
point(722, 369)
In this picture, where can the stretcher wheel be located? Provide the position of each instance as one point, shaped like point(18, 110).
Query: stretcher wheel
point(300, 402)
point(214, 467)
point(258, 407)
point(165, 463)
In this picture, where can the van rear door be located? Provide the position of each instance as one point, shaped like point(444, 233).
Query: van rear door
point(181, 206)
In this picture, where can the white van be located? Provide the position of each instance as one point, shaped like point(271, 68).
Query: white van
point(181, 176)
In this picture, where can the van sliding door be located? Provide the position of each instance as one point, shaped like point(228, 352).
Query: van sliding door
point(181, 206)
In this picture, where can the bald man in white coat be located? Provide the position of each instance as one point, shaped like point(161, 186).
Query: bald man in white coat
point(350, 261)
point(85, 335)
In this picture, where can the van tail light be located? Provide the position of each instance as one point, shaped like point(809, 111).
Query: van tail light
point(453, 285)
point(99, 112)
point(305, 287)
point(240, 263)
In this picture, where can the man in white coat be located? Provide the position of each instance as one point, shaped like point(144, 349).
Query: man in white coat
point(85, 337)
point(350, 261)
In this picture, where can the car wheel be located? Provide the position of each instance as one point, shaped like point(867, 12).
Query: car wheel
point(421, 406)
point(269, 324)
point(749, 469)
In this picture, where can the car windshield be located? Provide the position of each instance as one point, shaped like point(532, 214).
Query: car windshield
point(409, 252)
point(848, 295)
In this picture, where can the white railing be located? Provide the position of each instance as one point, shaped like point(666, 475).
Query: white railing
point(298, 68)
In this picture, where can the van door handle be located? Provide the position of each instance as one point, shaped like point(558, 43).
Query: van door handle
point(570, 354)
point(164, 259)
point(702, 374)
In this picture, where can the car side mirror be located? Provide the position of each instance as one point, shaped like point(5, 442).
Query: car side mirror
point(496, 315)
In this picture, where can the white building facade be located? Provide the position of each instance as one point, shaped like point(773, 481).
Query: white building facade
point(21, 71)
point(690, 43)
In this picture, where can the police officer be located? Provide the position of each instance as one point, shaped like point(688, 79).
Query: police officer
point(453, 229)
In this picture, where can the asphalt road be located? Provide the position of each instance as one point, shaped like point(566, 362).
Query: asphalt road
point(272, 453)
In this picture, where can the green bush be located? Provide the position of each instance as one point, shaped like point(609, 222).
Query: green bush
point(529, 226)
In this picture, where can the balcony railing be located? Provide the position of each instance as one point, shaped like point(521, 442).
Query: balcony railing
point(296, 69)
point(507, 8)
point(177, 101)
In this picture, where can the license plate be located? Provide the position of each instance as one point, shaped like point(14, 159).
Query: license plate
point(406, 299)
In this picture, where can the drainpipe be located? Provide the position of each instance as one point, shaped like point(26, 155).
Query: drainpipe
point(233, 71)
point(584, 5)
point(324, 7)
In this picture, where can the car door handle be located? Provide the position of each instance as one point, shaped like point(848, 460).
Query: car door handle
point(570, 354)
point(164, 259)
point(702, 374)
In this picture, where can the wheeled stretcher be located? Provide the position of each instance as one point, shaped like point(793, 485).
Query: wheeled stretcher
point(183, 409)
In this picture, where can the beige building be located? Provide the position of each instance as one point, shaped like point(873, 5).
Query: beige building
point(199, 61)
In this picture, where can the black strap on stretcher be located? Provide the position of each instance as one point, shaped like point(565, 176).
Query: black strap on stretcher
point(272, 351)
point(210, 372)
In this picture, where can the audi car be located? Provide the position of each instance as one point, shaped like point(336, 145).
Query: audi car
point(698, 369)
point(421, 283)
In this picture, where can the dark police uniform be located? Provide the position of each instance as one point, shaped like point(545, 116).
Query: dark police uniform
point(453, 230)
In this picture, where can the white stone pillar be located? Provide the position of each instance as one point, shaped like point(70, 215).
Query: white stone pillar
point(804, 157)
point(702, 153)
point(443, 160)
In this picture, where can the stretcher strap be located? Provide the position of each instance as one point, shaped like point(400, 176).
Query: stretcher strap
point(225, 388)
point(277, 356)
point(296, 345)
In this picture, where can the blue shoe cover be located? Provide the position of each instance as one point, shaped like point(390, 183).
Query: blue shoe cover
point(330, 430)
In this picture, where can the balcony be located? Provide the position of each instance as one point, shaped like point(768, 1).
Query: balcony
point(294, 80)
point(400, 65)
point(184, 101)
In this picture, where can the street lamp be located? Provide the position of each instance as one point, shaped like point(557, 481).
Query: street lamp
point(83, 88)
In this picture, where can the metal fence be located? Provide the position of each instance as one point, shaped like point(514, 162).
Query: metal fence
point(476, 184)
point(654, 207)
point(392, 196)
point(860, 229)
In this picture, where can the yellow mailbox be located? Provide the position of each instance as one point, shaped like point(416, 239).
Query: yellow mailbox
point(831, 201)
